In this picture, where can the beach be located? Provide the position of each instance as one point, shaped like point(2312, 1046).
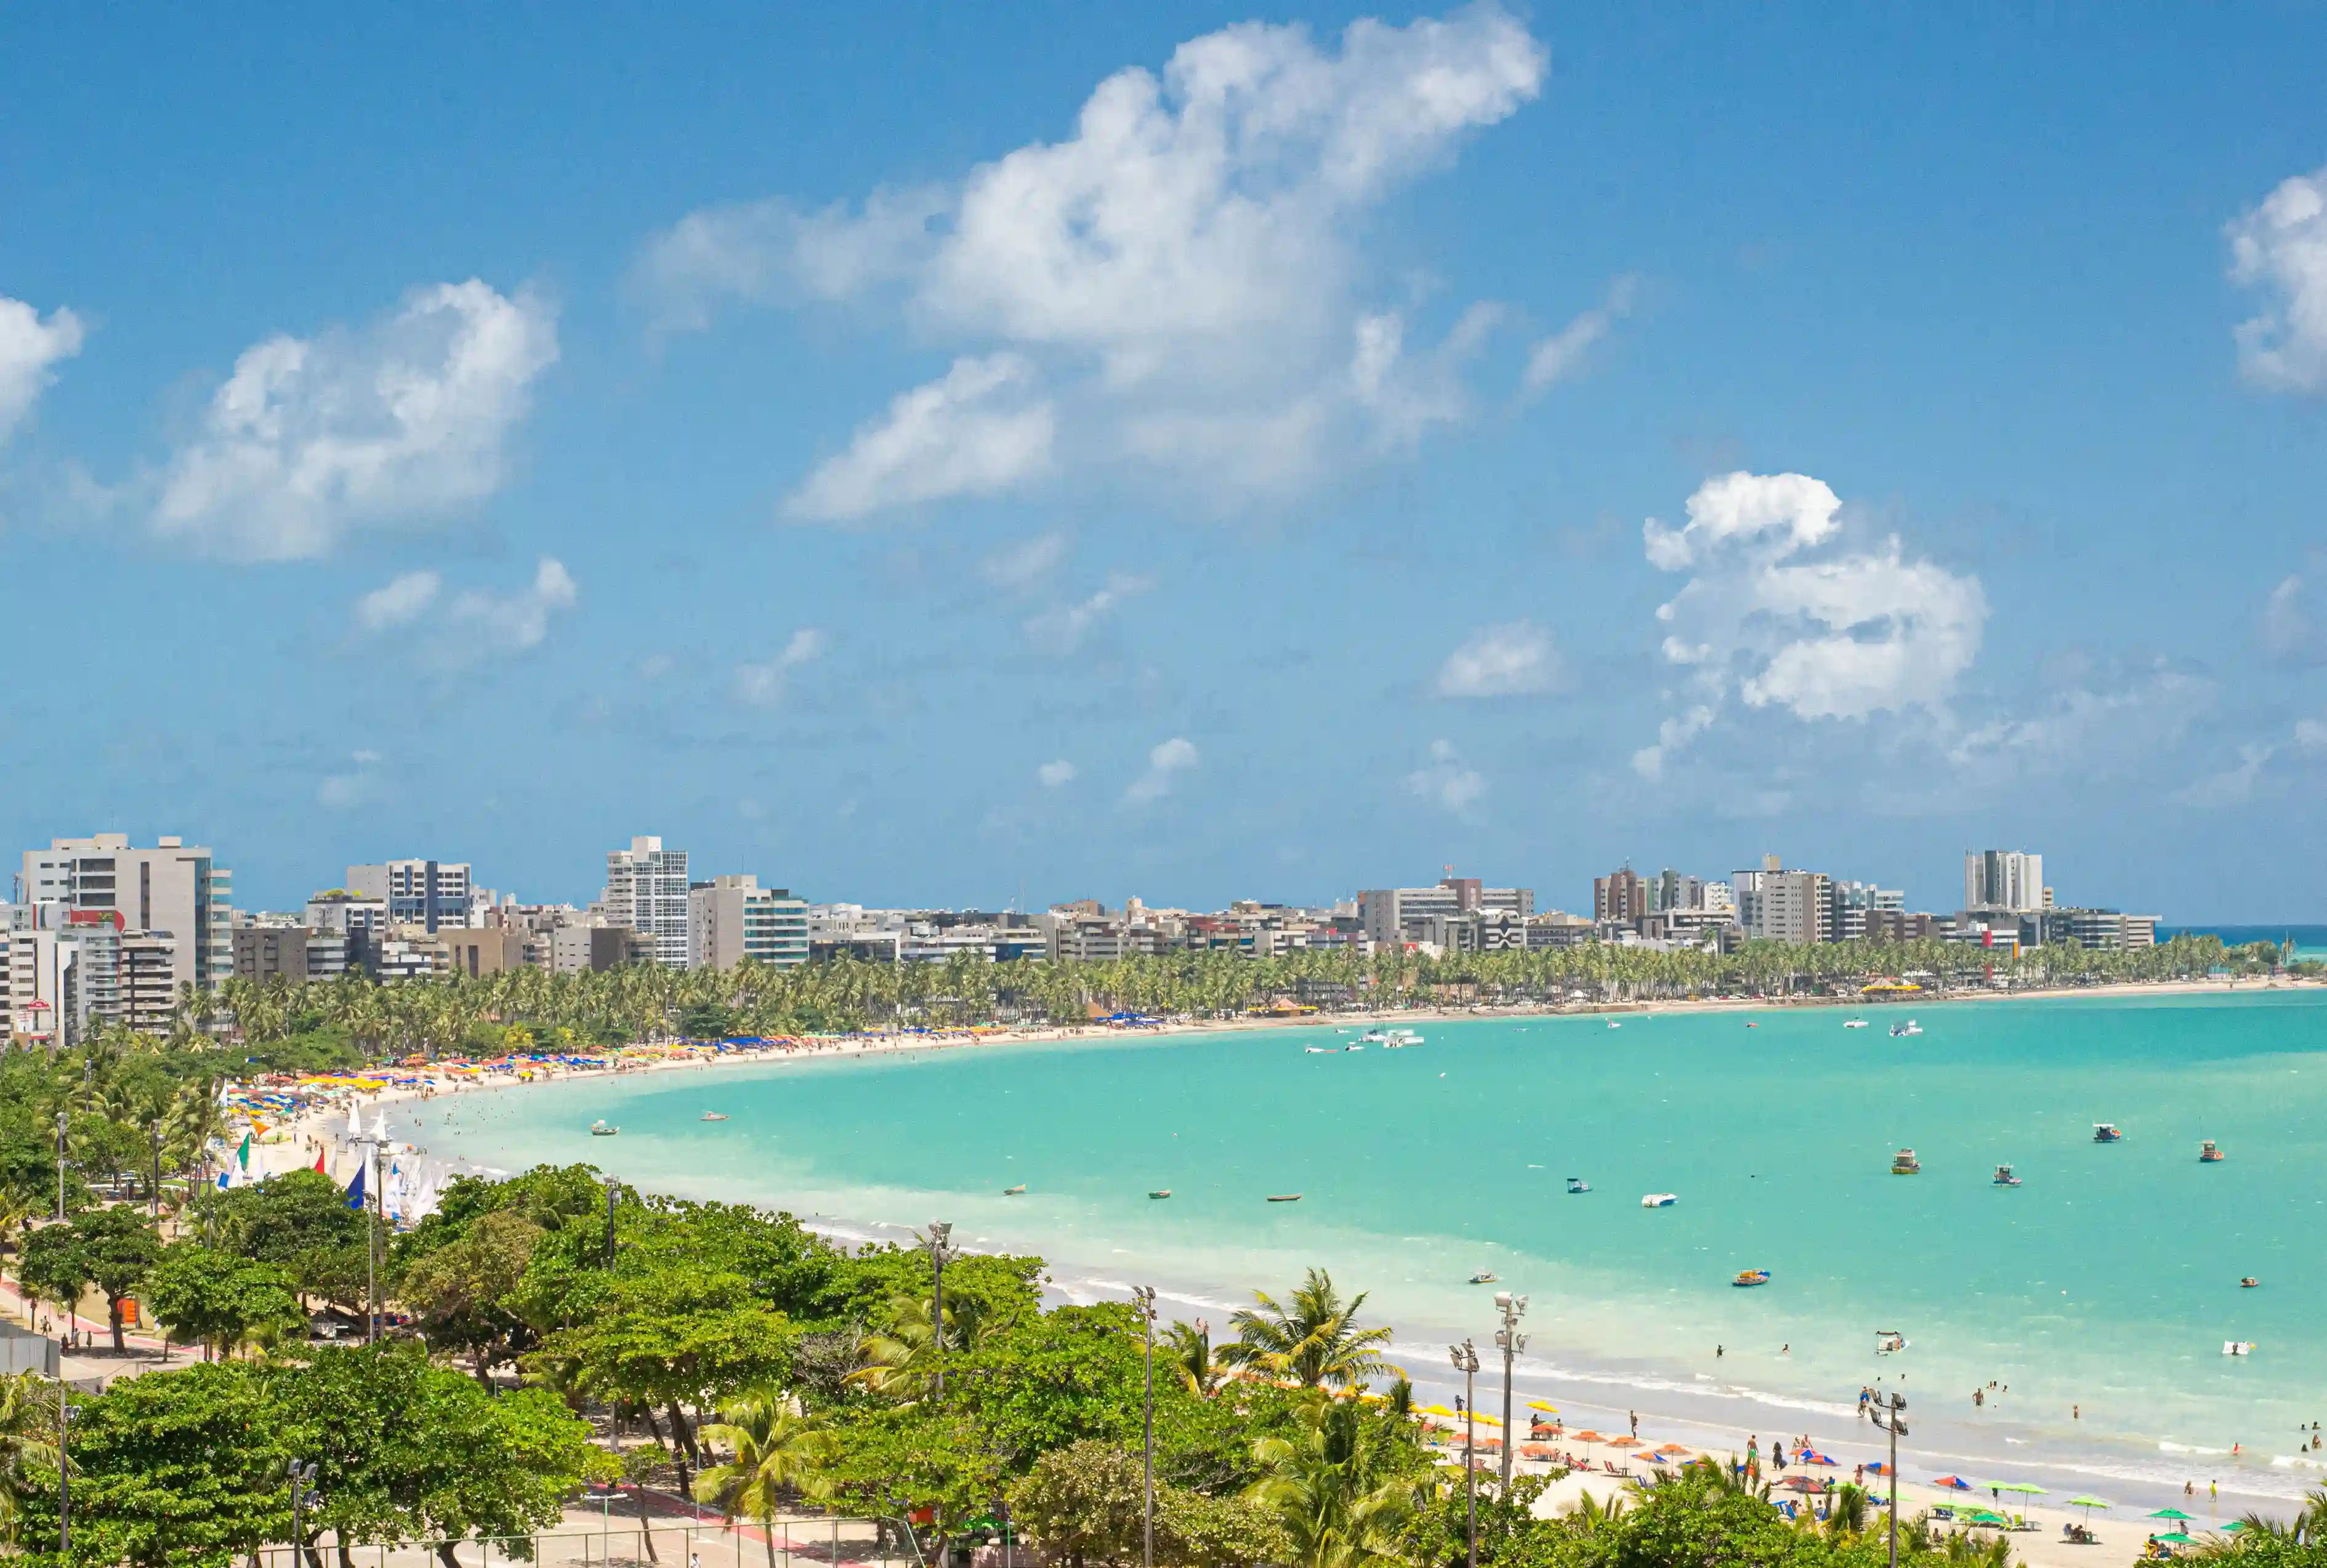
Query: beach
point(1617, 1328)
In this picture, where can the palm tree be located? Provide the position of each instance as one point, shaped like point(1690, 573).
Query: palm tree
point(1337, 1486)
point(1316, 1341)
point(28, 1449)
point(1188, 1351)
point(777, 1447)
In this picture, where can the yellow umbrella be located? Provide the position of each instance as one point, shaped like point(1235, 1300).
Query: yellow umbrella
point(1546, 1409)
point(1485, 1419)
point(1436, 1410)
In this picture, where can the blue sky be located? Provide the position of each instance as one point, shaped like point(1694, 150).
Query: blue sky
point(946, 454)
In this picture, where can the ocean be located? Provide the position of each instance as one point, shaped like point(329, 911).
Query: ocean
point(2096, 1296)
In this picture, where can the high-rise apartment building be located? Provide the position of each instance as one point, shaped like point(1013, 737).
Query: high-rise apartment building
point(2004, 879)
point(1403, 914)
point(429, 894)
point(645, 890)
point(174, 890)
point(730, 919)
point(1621, 896)
point(1855, 905)
point(1790, 906)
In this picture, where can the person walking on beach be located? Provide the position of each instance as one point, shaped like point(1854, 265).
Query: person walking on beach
point(1636, 1422)
point(1753, 1457)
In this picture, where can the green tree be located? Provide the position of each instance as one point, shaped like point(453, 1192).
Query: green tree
point(301, 1221)
point(53, 1267)
point(28, 1445)
point(777, 1447)
point(463, 1294)
point(1314, 1339)
point(118, 1247)
point(216, 1298)
point(1344, 1487)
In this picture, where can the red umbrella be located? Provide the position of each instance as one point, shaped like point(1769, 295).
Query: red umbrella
point(1812, 1456)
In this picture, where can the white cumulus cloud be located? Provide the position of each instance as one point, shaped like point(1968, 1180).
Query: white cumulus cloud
point(520, 619)
point(30, 351)
point(2280, 249)
point(762, 685)
point(1771, 617)
point(397, 602)
point(977, 430)
point(1500, 661)
point(1182, 265)
point(1165, 764)
point(312, 438)
point(1054, 775)
point(1446, 781)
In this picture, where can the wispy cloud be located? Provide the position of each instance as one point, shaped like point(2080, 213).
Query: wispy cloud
point(1561, 356)
point(1027, 564)
point(402, 600)
point(1063, 629)
point(979, 429)
point(1055, 775)
point(520, 619)
point(762, 685)
point(1512, 660)
point(1446, 780)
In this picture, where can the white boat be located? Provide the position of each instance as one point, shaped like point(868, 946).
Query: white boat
point(1483, 1278)
point(1353, 1048)
point(1614, 1024)
point(1320, 1050)
point(1373, 1036)
point(2238, 1347)
point(1658, 1199)
point(1910, 1027)
point(1855, 1023)
point(1578, 1184)
point(1399, 1039)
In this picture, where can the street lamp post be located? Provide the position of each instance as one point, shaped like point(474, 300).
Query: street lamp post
point(370, 1143)
point(302, 1492)
point(65, 1413)
point(1465, 1357)
point(157, 1171)
point(1511, 1342)
point(1886, 1409)
point(613, 1188)
point(61, 1166)
point(1143, 1298)
point(940, 1255)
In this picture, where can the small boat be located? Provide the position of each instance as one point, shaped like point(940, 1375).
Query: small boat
point(1161, 1192)
point(600, 1130)
point(1658, 1199)
point(712, 1116)
point(1373, 1036)
point(2107, 1133)
point(1285, 1198)
point(2207, 1154)
point(2005, 1178)
point(1578, 1184)
point(1901, 1031)
point(1889, 1341)
point(1399, 1039)
point(1482, 1277)
point(1751, 1276)
point(1319, 1050)
point(1905, 1163)
point(2249, 1282)
point(2238, 1347)
point(1353, 1048)
point(1013, 1191)
point(1855, 1023)
point(1614, 1024)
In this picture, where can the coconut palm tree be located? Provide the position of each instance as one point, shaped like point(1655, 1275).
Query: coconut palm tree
point(778, 1446)
point(1314, 1340)
point(1188, 1351)
point(28, 1448)
point(1337, 1486)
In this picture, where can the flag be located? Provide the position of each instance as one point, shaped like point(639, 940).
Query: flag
point(318, 1162)
point(356, 1189)
point(242, 1155)
point(225, 1176)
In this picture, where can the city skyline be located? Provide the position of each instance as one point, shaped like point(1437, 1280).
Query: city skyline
point(1186, 472)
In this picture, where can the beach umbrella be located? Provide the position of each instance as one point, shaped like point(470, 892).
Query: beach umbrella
point(1536, 1450)
point(1878, 1469)
point(1675, 1450)
point(1812, 1456)
point(2087, 1504)
point(1587, 1436)
point(1953, 1483)
point(1539, 1404)
point(2178, 1538)
point(1983, 1517)
point(2170, 1514)
point(1436, 1410)
point(2234, 1526)
point(1623, 1442)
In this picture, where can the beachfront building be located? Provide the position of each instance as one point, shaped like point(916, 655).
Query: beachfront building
point(645, 890)
point(1621, 898)
point(730, 919)
point(429, 894)
point(1854, 902)
point(2005, 879)
point(1789, 905)
point(174, 894)
point(294, 953)
point(1402, 915)
point(2102, 930)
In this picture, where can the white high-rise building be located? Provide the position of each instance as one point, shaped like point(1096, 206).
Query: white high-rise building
point(433, 893)
point(730, 919)
point(2004, 879)
point(174, 890)
point(645, 890)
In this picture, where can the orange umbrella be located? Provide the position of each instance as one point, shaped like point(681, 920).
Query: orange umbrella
point(1587, 1437)
point(1623, 1442)
point(1536, 1450)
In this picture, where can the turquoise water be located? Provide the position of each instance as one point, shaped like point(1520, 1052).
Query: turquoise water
point(2108, 1280)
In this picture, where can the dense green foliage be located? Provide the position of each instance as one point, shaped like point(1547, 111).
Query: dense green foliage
point(528, 1009)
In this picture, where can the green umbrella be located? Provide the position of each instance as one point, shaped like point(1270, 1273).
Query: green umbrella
point(2178, 1538)
point(1983, 1517)
point(2235, 1525)
point(2012, 1487)
point(2171, 1514)
point(2086, 1503)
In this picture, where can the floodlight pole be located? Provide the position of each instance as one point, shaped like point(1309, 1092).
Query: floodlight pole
point(1884, 1411)
point(940, 1229)
point(1512, 1343)
point(1144, 1297)
point(1465, 1357)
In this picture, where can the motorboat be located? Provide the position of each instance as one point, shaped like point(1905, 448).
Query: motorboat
point(1161, 1192)
point(1399, 1039)
point(2005, 1178)
point(2207, 1154)
point(1321, 1051)
point(1905, 1163)
point(1889, 1341)
point(1285, 1198)
point(1658, 1199)
point(1578, 1184)
point(1751, 1276)
point(600, 1130)
point(2238, 1347)
point(1483, 1277)
point(2107, 1133)
point(1615, 1024)
point(1901, 1031)
point(1855, 1024)
point(1353, 1048)
point(1013, 1191)
point(2249, 1282)
point(712, 1116)
point(1374, 1036)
